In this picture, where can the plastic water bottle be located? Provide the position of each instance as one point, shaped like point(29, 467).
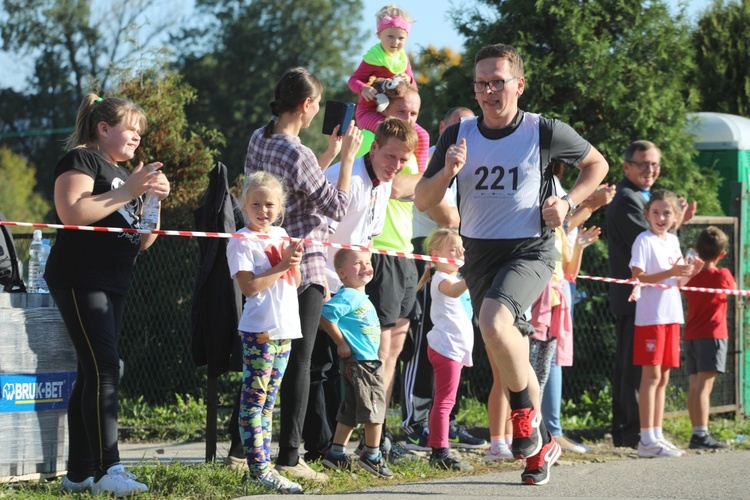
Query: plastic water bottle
point(37, 261)
point(150, 214)
point(46, 248)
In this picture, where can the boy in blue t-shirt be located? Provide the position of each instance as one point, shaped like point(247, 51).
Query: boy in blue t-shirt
point(351, 321)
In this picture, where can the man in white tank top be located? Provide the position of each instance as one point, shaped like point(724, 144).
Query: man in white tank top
point(501, 162)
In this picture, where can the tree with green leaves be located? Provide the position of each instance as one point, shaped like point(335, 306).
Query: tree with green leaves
point(235, 59)
point(18, 201)
point(159, 302)
point(75, 49)
point(722, 46)
point(614, 70)
point(187, 151)
point(443, 84)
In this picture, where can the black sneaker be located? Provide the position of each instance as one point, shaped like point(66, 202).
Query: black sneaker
point(707, 442)
point(376, 467)
point(460, 438)
point(415, 438)
point(393, 451)
point(360, 447)
point(449, 462)
point(342, 463)
point(538, 466)
point(397, 453)
point(527, 438)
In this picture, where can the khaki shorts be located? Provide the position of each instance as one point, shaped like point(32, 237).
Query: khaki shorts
point(364, 393)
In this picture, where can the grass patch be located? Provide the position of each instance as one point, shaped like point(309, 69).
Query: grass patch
point(208, 481)
point(591, 411)
point(726, 427)
point(216, 482)
point(185, 421)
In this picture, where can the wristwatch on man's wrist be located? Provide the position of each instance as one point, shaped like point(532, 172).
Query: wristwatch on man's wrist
point(571, 205)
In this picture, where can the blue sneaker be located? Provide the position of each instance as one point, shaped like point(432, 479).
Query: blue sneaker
point(331, 461)
point(450, 462)
point(415, 438)
point(460, 438)
point(376, 467)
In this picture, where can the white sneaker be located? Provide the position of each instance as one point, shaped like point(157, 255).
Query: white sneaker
point(118, 482)
point(276, 482)
point(69, 486)
point(496, 453)
point(657, 449)
point(673, 446)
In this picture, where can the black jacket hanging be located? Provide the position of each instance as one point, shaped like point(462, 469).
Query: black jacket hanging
point(217, 300)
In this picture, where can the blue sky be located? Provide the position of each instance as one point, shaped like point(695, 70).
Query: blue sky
point(432, 27)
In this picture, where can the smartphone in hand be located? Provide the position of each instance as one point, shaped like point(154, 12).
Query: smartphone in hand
point(337, 113)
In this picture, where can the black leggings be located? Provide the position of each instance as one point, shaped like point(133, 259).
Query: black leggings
point(93, 319)
point(295, 388)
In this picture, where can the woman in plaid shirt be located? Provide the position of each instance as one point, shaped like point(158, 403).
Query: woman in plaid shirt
point(277, 149)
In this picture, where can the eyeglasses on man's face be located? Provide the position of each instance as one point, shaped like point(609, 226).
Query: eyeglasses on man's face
point(494, 85)
point(645, 165)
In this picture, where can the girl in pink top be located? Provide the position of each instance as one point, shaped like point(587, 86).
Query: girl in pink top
point(385, 60)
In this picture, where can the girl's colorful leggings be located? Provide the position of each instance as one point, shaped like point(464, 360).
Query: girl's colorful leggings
point(263, 368)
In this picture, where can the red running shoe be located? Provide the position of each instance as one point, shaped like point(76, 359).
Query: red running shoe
point(538, 466)
point(527, 438)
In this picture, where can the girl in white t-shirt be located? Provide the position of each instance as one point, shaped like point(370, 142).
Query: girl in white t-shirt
point(266, 267)
point(449, 342)
point(656, 258)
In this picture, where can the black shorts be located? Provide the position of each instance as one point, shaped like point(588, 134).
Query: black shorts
point(705, 355)
point(513, 272)
point(393, 289)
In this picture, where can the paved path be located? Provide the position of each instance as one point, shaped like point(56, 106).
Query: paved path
point(722, 475)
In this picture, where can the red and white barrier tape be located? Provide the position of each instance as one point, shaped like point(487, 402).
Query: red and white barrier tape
point(427, 258)
point(741, 293)
point(208, 234)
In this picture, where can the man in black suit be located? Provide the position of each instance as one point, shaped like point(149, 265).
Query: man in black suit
point(625, 221)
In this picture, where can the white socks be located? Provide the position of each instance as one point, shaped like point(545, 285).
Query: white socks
point(500, 442)
point(648, 436)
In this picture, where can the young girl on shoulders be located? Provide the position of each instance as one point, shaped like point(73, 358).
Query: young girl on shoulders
point(450, 341)
point(656, 258)
point(386, 59)
point(266, 268)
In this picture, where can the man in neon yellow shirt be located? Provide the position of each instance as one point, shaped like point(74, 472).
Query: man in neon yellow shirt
point(393, 289)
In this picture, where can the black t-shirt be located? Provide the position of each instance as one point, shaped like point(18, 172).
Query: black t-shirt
point(98, 260)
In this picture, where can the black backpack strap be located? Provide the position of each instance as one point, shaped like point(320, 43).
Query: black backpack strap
point(545, 143)
point(547, 186)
